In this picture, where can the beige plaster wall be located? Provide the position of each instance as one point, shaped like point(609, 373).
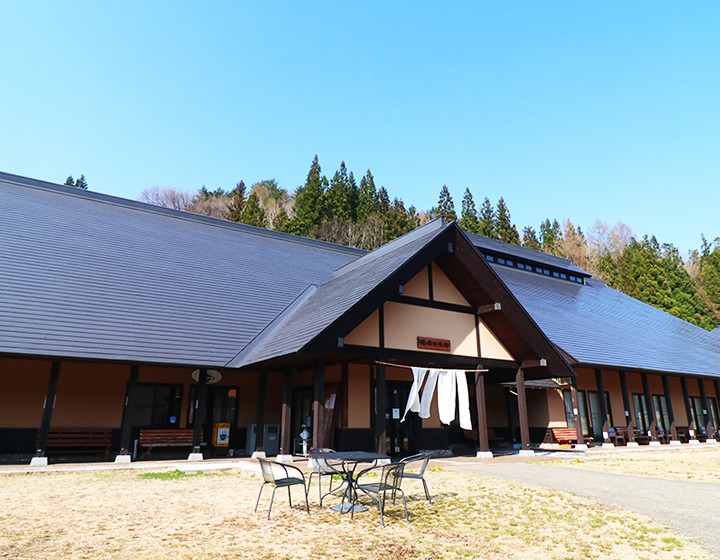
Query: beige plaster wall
point(359, 389)
point(419, 286)
point(556, 409)
point(444, 290)
point(490, 346)
point(404, 323)
point(366, 333)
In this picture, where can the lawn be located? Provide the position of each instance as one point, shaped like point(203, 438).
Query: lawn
point(698, 465)
point(120, 514)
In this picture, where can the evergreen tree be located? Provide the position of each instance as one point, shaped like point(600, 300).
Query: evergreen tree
point(204, 194)
point(368, 203)
point(310, 211)
point(710, 276)
point(469, 218)
point(253, 214)
point(550, 235)
point(236, 203)
point(383, 201)
point(397, 221)
point(80, 183)
point(341, 196)
point(487, 220)
point(280, 220)
point(530, 240)
point(506, 230)
point(445, 207)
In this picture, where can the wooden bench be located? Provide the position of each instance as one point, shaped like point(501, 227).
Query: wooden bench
point(492, 438)
point(79, 439)
point(568, 436)
point(150, 439)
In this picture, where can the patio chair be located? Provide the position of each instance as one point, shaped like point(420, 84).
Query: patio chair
point(423, 458)
point(617, 436)
point(270, 471)
point(390, 478)
point(321, 468)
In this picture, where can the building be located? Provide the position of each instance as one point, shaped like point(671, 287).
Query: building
point(124, 316)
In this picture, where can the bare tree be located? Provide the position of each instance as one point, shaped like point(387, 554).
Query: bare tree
point(215, 206)
point(167, 197)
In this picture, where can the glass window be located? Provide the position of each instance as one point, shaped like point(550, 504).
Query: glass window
point(157, 405)
point(221, 404)
point(510, 263)
point(556, 274)
point(501, 261)
point(570, 417)
point(661, 413)
point(490, 258)
point(596, 415)
point(563, 276)
point(641, 413)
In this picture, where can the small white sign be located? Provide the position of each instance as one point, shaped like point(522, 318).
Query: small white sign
point(396, 413)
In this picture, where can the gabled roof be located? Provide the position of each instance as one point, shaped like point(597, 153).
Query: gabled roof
point(328, 303)
point(97, 277)
point(599, 326)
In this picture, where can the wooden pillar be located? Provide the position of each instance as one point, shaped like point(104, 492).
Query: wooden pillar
point(629, 418)
point(576, 411)
point(318, 402)
point(285, 436)
point(260, 420)
point(483, 442)
point(200, 407)
point(668, 403)
point(688, 408)
point(603, 407)
point(380, 422)
point(707, 419)
point(510, 403)
point(48, 408)
point(523, 410)
point(650, 406)
point(128, 411)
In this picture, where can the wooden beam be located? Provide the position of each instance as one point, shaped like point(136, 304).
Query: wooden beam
point(380, 404)
point(318, 402)
point(48, 408)
point(285, 436)
point(488, 308)
point(650, 406)
point(629, 418)
point(668, 404)
point(603, 407)
point(128, 410)
point(199, 416)
point(523, 410)
point(419, 302)
point(416, 357)
point(482, 427)
point(528, 364)
point(716, 384)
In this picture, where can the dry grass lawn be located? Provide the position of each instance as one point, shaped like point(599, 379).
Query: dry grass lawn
point(699, 465)
point(121, 514)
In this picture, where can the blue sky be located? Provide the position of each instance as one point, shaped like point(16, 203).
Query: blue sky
point(568, 110)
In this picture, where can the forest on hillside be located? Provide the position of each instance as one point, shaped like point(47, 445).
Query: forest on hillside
point(341, 210)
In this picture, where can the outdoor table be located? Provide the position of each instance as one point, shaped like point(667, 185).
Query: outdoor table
point(350, 460)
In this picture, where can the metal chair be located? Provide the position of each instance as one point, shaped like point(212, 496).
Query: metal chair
point(390, 478)
point(270, 471)
point(321, 468)
point(420, 475)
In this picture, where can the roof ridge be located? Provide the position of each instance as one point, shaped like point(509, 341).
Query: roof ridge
point(172, 213)
point(434, 225)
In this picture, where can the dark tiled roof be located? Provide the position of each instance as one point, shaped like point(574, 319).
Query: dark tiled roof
point(597, 325)
point(89, 275)
point(485, 244)
point(330, 301)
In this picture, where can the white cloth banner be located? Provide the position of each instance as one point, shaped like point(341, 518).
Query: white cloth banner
point(413, 403)
point(452, 390)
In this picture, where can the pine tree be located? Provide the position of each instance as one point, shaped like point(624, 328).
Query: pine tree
point(340, 196)
point(236, 203)
point(383, 202)
point(397, 221)
point(69, 182)
point(487, 220)
point(310, 211)
point(469, 218)
point(550, 235)
point(80, 183)
point(368, 203)
point(506, 230)
point(530, 240)
point(445, 207)
point(253, 214)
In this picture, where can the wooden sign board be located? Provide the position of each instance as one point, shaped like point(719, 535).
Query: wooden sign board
point(436, 344)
